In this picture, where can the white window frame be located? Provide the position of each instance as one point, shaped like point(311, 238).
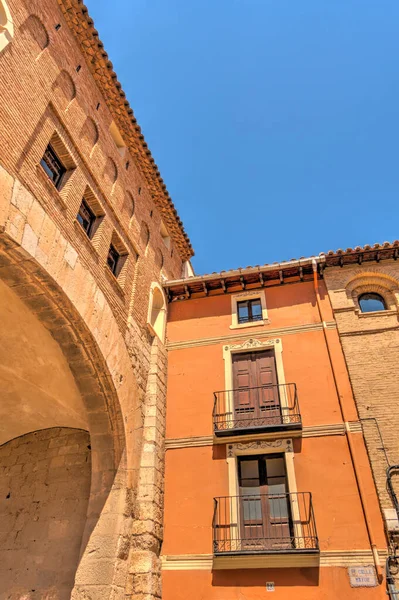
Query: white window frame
point(285, 447)
point(253, 295)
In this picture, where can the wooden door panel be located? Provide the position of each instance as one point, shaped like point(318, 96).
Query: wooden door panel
point(265, 515)
point(268, 396)
point(244, 400)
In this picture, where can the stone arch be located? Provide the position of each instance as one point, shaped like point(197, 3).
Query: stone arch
point(64, 89)
point(41, 267)
point(6, 25)
point(157, 310)
point(89, 134)
point(368, 281)
point(44, 494)
point(34, 29)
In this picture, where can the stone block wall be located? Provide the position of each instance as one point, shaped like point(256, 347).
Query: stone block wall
point(44, 493)
point(98, 320)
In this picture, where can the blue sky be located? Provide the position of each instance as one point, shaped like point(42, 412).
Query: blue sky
point(274, 122)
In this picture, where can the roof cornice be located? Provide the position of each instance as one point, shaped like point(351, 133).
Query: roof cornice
point(292, 270)
point(82, 26)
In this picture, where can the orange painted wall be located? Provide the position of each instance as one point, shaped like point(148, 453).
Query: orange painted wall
point(195, 373)
point(304, 584)
point(195, 475)
point(288, 305)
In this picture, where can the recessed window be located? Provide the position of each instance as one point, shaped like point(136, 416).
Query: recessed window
point(6, 25)
point(371, 303)
point(249, 311)
point(53, 166)
point(118, 139)
point(86, 218)
point(165, 235)
point(113, 259)
point(117, 259)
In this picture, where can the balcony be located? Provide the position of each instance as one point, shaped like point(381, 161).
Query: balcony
point(263, 409)
point(265, 530)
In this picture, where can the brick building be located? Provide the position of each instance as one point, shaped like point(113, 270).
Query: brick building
point(93, 257)
point(268, 487)
point(363, 285)
point(88, 233)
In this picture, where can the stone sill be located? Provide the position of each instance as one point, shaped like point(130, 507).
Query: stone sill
point(114, 282)
point(377, 313)
point(253, 324)
point(50, 186)
point(88, 242)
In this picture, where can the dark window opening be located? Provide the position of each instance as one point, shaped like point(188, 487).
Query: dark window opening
point(86, 218)
point(249, 310)
point(113, 259)
point(371, 303)
point(53, 166)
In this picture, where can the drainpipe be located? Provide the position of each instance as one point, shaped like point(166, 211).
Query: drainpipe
point(348, 434)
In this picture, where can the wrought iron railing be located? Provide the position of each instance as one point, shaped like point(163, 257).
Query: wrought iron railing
point(268, 407)
point(264, 524)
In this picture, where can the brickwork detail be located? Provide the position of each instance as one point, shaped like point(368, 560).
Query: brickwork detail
point(371, 347)
point(98, 318)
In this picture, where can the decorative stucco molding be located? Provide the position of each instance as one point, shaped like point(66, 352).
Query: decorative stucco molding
point(267, 333)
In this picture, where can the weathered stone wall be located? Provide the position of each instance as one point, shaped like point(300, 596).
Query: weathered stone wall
point(98, 321)
point(370, 343)
point(44, 493)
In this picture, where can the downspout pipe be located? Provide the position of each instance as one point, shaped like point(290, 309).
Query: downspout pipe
point(348, 434)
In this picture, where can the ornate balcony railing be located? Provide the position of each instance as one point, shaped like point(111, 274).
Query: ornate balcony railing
point(264, 524)
point(256, 409)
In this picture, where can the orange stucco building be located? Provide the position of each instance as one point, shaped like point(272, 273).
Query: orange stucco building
point(268, 487)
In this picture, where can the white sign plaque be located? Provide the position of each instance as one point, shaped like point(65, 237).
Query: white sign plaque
point(270, 586)
point(362, 576)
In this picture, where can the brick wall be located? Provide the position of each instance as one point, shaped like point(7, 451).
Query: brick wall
point(69, 103)
point(44, 492)
point(371, 347)
point(48, 89)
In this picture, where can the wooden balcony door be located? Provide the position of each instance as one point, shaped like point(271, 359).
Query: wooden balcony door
point(265, 515)
point(256, 395)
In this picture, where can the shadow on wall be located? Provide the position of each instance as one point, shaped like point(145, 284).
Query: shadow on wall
point(44, 495)
point(258, 577)
point(277, 296)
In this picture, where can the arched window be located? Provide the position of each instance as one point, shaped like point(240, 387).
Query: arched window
point(157, 312)
point(371, 302)
point(6, 25)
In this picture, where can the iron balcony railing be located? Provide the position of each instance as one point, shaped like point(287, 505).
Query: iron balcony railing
point(262, 408)
point(264, 524)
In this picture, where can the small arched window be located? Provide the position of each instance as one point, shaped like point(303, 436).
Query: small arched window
point(371, 303)
point(6, 25)
point(156, 319)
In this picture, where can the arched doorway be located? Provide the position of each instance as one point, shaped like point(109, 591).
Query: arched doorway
point(61, 453)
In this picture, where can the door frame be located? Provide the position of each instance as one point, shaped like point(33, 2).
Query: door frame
point(253, 345)
point(283, 446)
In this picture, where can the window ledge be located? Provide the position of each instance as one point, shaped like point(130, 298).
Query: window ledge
point(114, 282)
point(266, 561)
point(252, 324)
point(376, 313)
point(87, 241)
point(50, 185)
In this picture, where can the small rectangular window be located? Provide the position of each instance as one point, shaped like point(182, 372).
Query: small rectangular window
point(86, 218)
point(249, 311)
point(53, 166)
point(113, 259)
